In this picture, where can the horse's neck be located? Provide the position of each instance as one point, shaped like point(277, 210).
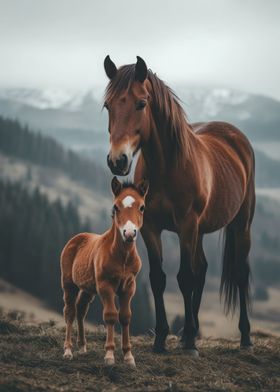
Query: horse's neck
point(118, 247)
point(159, 152)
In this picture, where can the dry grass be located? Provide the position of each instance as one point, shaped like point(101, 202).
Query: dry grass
point(31, 360)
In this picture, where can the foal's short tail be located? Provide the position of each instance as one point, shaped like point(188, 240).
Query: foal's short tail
point(236, 272)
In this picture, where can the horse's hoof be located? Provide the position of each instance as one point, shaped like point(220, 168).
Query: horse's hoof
point(109, 361)
point(247, 347)
point(159, 349)
point(68, 354)
point(83, 349)
point(192, 352)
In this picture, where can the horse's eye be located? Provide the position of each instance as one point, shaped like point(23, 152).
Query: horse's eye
point(106, 105)
point(141, 104)
point(142, 208)
point(116, 208)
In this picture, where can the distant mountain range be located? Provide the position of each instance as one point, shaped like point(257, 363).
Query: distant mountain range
point(76, 118)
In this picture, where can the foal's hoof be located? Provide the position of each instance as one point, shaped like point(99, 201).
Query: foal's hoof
point(68, 354)
point(109, 358)
point(130, 361)
point(109, 361)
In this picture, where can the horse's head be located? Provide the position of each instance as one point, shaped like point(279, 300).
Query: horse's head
point(129, 205)
point(127, 102)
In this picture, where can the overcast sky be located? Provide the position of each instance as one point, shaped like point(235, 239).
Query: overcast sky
point(62, 43)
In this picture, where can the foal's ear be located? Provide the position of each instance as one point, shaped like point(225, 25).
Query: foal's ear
point(116, 186)
point(141, 70)
point(143, 187)
point(110, 67)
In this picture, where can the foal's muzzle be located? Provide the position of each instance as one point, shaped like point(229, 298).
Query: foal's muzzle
point(129, 235)
point(121, 166)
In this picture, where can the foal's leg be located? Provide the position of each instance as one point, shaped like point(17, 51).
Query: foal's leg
point(110, 316)
point(124, 318)
point(82, 305)
point(152, 240)
point(186, 281)
point(200, 273)
point(70, 296)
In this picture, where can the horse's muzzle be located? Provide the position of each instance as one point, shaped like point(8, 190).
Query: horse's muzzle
point(121, 166)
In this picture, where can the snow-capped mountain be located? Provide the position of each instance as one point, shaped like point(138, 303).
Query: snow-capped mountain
point(212, 101)
point(76, 118)
point(51, 98)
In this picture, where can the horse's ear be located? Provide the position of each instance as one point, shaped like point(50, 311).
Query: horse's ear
point(143, 187)
point(109, 67)
point(116, 186)
point(141, 70)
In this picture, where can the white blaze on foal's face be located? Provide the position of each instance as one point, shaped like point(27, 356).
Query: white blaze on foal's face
point(128, 201)
point(129, 229)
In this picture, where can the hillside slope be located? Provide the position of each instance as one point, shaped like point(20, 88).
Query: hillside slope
point(31, 360)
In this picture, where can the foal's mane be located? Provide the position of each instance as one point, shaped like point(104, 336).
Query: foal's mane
point(168, 113)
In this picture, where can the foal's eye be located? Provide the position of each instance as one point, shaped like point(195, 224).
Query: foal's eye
point(142, 208)
point(141, 104)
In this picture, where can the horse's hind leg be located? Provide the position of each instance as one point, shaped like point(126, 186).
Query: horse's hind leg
point(186, 280)
point(82, 305)
point(243, 244)
point(242, 236)
point(199, 280)
point(70, 296)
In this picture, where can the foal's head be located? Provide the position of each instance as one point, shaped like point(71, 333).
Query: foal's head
point(127, 101)
point(129, 205)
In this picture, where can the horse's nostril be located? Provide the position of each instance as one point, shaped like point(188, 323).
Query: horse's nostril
point(124, 159)
point(121, 163)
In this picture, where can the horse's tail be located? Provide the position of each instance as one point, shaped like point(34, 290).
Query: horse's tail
point(232, 272)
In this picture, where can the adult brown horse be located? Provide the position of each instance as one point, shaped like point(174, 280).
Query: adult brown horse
point(201, 180)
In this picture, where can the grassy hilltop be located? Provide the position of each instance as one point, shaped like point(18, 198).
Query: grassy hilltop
point(31, 360)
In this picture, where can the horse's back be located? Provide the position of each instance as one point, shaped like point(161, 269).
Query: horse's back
point(225, 133)
point(231, 158)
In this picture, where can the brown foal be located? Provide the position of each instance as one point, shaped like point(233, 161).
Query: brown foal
point(105, 264)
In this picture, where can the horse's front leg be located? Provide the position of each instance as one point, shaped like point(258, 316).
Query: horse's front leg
point(200, 269)
point(186, 280)
point(124, 318)
point(152, 240)
point(110, 316)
